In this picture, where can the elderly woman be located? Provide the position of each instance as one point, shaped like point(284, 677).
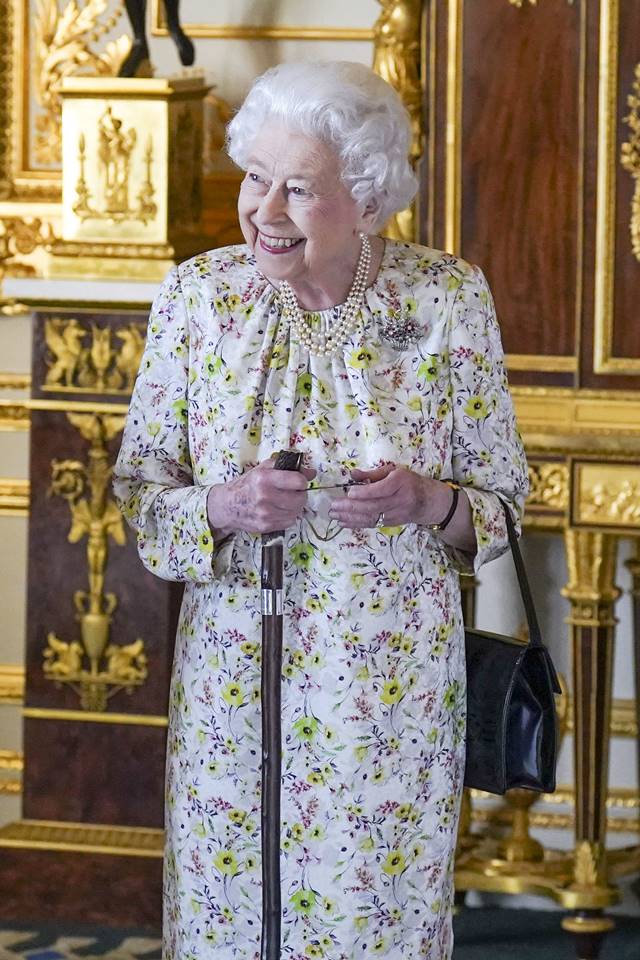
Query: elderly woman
point(381, 362)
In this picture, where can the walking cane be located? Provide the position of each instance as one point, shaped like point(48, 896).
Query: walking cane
point(271, 690)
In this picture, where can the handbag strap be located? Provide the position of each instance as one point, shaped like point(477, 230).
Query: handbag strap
point(535, 637)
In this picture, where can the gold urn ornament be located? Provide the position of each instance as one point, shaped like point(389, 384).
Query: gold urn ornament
point(93, 666)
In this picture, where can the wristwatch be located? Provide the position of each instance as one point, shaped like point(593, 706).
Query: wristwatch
point(452, 509)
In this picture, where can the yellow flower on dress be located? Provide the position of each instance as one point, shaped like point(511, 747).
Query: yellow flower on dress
point(363, 357)
point(476, 407)
point(225, 861)
point(233, 694)
point(394, 863)
point(392, 692)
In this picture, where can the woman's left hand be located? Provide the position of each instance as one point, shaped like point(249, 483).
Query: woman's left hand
point(392, 497)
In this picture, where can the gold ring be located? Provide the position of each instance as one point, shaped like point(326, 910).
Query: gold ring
point(380, 520)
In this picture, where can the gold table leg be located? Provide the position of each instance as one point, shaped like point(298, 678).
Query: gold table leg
point(633, 566)
point(591, 559)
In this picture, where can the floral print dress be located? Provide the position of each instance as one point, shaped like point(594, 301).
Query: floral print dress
point(373, 695)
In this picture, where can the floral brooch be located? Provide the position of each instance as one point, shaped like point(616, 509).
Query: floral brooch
point(400, 330)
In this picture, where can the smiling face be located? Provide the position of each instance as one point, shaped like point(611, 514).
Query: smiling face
point(297, 216)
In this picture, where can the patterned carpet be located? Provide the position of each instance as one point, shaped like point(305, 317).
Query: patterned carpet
point(58, 942)
point(486, 934)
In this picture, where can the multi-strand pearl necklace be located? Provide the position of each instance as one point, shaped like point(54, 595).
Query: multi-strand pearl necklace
point(326, 342)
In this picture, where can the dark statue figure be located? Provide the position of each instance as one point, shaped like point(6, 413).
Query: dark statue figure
point(139, 52)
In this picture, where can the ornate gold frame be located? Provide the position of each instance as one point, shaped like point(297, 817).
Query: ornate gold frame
point(230, 32)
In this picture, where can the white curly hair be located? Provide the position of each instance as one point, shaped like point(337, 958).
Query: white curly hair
point(351, 109)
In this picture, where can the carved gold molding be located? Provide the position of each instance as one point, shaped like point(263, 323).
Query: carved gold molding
point(567, 412)
point(541, 362)
point(14, 497)
point(591, 562)
point(86, 716)
point(549, 485)
point(13, 416)
point(11, 760)
point(238, 32)
point(83, 838)
point(15, 381)
point(20, 236)
point(11, 786)
point(605, 495)
point(630, 159)
point(532, 3)
point(6, 96)
point(12, 682)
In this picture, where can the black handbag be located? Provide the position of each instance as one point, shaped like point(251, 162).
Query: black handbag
point(512, 725)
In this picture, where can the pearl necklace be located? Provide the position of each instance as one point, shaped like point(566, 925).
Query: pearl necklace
point(324, 343)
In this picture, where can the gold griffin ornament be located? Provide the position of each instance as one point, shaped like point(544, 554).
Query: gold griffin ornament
point(116, 159)
point(111, 667)
point(99, 367)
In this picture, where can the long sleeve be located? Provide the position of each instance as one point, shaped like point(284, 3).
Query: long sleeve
point(488, 457)
point(153, 479)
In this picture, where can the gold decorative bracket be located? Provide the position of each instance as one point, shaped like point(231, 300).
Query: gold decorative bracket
point(111, 667)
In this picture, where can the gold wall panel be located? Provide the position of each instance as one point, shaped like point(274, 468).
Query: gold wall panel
point(582, 414)
point(112, 154)
point(605, 495)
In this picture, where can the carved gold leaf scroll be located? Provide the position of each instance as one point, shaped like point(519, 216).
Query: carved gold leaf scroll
point(82, 359)
point(630, 159)
point(548, 485)
point(21, 237)
point(63, 42)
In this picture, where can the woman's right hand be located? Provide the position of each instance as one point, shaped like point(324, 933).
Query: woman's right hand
point(259, 501)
